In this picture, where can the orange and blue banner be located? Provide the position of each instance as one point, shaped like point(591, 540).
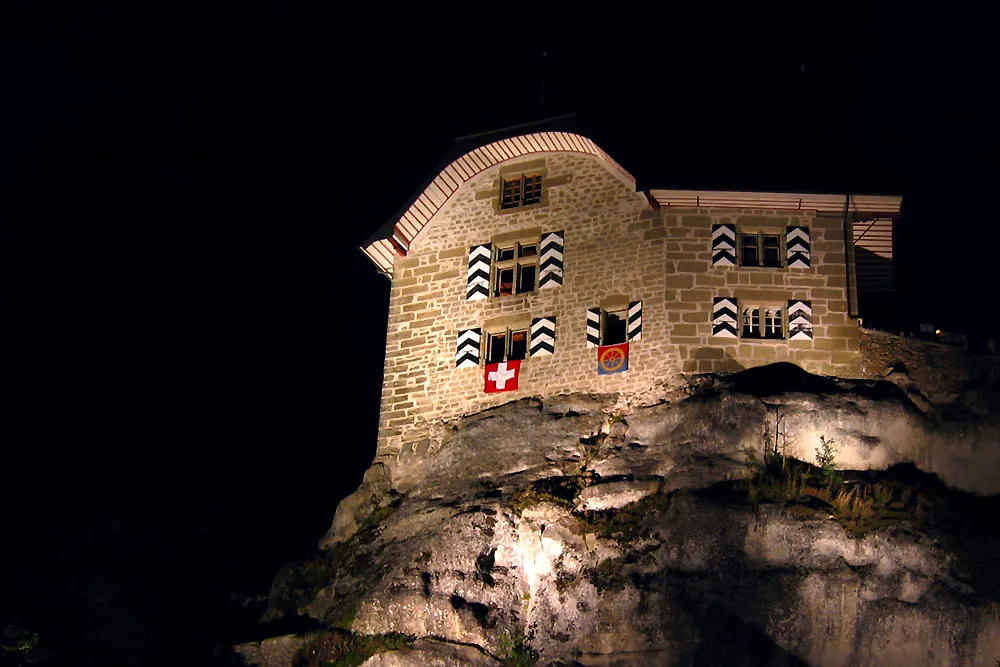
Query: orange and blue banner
point(612, 359)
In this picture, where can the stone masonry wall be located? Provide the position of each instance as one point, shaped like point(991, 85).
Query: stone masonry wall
point(616, 243)
point(692, 283)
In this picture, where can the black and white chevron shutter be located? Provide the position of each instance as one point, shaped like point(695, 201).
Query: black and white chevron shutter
point(723, 245)
point(593, 327)
point(797, 247)
point(634, 331)
point(543, 336)
point(468, 348)
point(724, 311)
point(478, 285)
point(800, 324)
point(550, 270)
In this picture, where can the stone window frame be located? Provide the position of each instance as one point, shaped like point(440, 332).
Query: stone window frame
point(519, 172)
point(759, 309)
point(760, 231)
point(538, 166)
point(506, 325)
point(514, 241)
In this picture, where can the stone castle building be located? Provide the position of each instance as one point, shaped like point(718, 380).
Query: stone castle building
point(532, 266)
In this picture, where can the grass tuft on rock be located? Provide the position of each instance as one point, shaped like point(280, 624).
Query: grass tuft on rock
point(561, 491)
point(862, 503)
point(628, 523)
point(516, 652)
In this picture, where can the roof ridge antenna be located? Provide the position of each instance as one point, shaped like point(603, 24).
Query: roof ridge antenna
point(516, 127)
point(541, 101)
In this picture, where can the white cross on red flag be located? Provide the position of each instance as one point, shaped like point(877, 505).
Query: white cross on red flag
point(502, 376)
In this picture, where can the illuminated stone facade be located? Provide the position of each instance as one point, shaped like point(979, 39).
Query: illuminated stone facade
point(618, 246)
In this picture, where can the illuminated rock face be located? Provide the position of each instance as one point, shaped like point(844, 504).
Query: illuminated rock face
point(571, 531)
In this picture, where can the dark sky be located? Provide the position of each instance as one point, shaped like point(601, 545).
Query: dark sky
point(191, 341)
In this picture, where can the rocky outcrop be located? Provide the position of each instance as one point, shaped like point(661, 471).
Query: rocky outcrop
point(943, 379)
point(573, 532)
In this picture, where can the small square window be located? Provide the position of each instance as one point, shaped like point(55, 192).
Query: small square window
point(510, 194)
point(616, 321)
point(759, 249)
point(614, 327)
point(522, 190)
point(507, 345)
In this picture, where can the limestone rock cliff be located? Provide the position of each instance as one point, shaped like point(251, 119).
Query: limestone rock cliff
point(576, 531)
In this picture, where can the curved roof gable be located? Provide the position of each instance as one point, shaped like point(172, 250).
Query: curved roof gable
point(423, 209)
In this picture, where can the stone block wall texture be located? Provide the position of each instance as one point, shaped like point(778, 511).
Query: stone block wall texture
point(692, 282)
point(616, 243)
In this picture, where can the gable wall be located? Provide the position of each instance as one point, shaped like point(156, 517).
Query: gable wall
point(615, 243)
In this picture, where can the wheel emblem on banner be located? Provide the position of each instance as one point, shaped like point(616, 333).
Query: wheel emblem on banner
point(612, 359)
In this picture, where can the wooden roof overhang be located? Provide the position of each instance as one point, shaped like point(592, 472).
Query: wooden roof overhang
point(826, 203)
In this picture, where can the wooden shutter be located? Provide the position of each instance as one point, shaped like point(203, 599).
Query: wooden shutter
point(550, 268)
point(543, 336)
point(724, 312)
point(478, 284)
point(467, 355)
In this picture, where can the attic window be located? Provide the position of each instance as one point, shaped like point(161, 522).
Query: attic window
point(521, 190)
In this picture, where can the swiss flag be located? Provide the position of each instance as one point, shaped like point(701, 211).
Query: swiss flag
point(502, 376)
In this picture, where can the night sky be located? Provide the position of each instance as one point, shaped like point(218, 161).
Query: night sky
point(190, 340)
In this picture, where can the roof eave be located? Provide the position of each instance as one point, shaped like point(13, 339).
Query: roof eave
point(821, 202)
point(395, 237)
